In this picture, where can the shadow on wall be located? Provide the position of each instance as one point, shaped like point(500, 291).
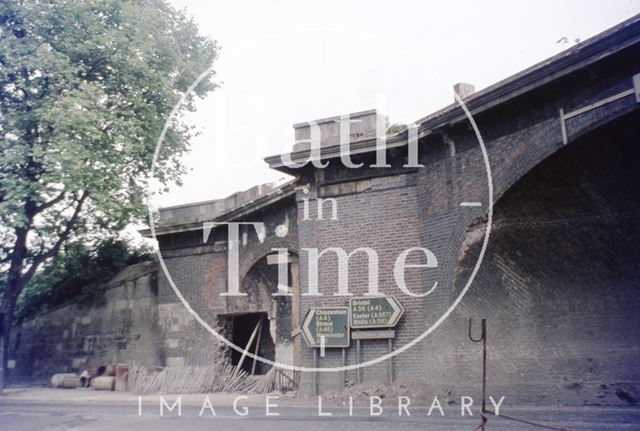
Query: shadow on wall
point(559, 284)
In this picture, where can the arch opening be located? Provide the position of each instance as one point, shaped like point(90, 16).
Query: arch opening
point(560, 283)
point(271, 316)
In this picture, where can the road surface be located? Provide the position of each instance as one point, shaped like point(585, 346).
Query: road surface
point(50, 410)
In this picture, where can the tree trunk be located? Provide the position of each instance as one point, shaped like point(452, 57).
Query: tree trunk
point(17, 278)
point(15, 282)
point(8, 307)
point(9, 298)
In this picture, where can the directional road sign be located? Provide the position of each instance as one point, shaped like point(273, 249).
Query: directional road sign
point(375, 312)
point(327, 327)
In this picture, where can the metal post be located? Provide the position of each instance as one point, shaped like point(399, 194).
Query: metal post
point(390, 362)
point(344, 364)
point(483, 339)
point(484, 372)
point(359, 359)
point(315, 373)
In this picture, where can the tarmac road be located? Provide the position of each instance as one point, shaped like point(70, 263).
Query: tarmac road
point(49, 410)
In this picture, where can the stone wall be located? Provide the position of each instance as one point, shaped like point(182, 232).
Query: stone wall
point(121, 326)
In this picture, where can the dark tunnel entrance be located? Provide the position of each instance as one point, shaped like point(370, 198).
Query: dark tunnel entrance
point(560, 282)
point(243, 326)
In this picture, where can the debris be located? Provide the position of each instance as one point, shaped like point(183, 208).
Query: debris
point(144, 380)
point(246, 349)
point(225, 378)
point(110, 369)
point(257, 350)
point(277, 380)
point(228, 378)
point(122, 374)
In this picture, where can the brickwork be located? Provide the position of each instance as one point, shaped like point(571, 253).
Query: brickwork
point(518, 137)
point(199, 271)
point(392, 209)
point(559, 286)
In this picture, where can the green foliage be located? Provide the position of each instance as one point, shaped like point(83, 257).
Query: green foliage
point(85, 89)
point(80, 273)
point(396, 128)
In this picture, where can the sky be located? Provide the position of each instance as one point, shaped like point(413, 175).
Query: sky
point(283, 62)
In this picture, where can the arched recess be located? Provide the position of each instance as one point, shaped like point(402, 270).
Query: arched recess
point(278, 314)
point(560, 281)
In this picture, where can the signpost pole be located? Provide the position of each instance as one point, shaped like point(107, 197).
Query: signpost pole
point(359, 369)
point(315, 373)
point(344, 363)
point(390, 362)
point(326, 328)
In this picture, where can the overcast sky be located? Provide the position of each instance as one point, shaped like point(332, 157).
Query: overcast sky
point(284, 62)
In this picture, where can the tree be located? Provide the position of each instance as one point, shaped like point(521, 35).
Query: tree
point(85, 89)
point(79, 274)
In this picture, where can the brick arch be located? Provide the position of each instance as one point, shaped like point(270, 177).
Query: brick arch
point(560, 129)
point(562, 255)
point(543, 141)
point(261, 250)
point(511, 175)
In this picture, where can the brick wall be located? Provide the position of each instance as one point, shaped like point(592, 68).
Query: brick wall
point(559, 284)
point(535, 358)
point(199, 271)
point(425, 211)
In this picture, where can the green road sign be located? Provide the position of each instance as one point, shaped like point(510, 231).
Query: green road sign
point(375, 312)
point(327, 327)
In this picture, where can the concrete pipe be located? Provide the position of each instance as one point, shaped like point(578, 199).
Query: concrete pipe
point(103, 383)
point(56, 379)
point(71, 382)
